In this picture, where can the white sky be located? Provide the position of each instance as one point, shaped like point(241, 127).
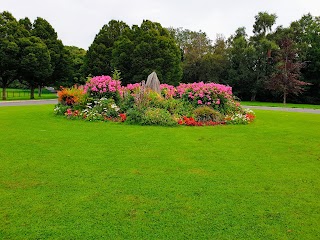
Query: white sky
point(78, 21)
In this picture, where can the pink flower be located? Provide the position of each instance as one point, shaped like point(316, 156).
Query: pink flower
point(199, 102)
point(218, 101)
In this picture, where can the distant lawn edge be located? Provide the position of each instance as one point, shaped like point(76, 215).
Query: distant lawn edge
point(288, 105)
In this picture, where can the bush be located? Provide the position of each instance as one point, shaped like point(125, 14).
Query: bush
point(177, 107)
point(206, 114)
point(158, 116)
point(135, 115)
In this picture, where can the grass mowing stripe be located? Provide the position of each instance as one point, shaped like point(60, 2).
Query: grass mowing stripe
point(73, 179)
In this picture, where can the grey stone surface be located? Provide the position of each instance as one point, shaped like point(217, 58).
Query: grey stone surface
point(28, 102)
point(303, 110)
point(153, 82)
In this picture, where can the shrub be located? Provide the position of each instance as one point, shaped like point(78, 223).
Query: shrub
point(157, 116)
point(205, 114)
point(177, 107)
point(135, 115)
point(126, 102)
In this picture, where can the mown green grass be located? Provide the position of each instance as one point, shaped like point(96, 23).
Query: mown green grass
point(24, 94)
point(69, 179)
point(288, 105)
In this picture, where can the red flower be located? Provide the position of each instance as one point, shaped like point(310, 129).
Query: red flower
point(123, 117)
point(250, 117)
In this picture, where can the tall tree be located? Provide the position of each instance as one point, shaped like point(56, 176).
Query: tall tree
point(305, 32)
point(263, 47)
point(75, 56)
point(99, 56)
point(241, 56)
point(194, 46)
point(34, 62)
point(147, 48)
point(60, 65)
point(10, 32)
point(263, 23)
point(287, 74)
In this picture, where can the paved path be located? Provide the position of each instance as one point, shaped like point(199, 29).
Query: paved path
point(303, 110)
point(28, 102)
point(55, 101)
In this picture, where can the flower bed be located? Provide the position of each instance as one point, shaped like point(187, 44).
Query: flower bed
point(192, 104)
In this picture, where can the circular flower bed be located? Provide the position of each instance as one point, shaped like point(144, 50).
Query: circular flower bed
point(192, 104)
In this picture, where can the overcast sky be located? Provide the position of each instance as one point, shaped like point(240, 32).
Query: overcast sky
point(78, 21)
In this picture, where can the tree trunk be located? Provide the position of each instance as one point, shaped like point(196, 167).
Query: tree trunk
point(32, 92)
point(39, 90)
point(4, 93)
point(253, 97)
point(284, 98)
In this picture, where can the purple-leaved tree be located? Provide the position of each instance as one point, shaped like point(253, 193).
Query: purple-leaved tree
point(288, 70)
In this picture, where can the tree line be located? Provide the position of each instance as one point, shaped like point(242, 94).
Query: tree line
point(31, 55)
point(274, 63)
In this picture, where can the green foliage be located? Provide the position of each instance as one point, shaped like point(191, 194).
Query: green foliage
point(75, 57)
point(263, 23)
point(35, 62)
point(116, 74)
point(250, 61)
point(205, 114)
point(135, 115)
point(157, 116)
point(144, 49)
point(10, 31)
point(35, 45)
point(60, 109)
point(127, 102)
point(59, 59)
point(305, 33)
point(201, 61)
point(177, 107)
point(99, 56)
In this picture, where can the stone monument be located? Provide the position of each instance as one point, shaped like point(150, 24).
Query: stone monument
point(153, 82)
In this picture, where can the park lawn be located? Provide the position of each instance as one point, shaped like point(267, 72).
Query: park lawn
point(288, 105)
point(24, 94)
point(70, 179)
